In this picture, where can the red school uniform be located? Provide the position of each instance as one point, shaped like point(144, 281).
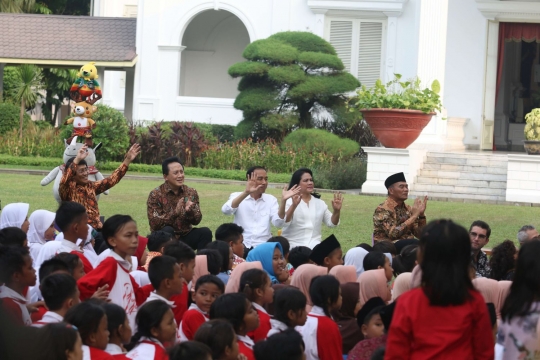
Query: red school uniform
point(245, 346)
point(462, 331)
point(180, 304)
point(321, 336)
point(38, 315)
point(192, 321)
point(69, 247)
point(15, 305)
point(92, 353)
point(123, 289)
point(148, 349)
point(264, 324)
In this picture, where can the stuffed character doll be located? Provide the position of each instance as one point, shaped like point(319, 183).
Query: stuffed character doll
point(82, 122)
point(86, 86)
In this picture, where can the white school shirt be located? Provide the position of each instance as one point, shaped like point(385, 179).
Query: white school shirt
point(154, 296)
point(304, 229)
point(255, 217)
point(21, 301)
point(107, 252)
point(148, 349)
point(48, 318)
point(246, 340)
point(277, 327)
point(113, 349)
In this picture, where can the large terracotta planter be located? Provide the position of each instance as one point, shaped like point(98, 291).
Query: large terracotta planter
point(396, 128)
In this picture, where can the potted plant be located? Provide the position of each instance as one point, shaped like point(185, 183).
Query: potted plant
point(532, 132)
point(397, 111)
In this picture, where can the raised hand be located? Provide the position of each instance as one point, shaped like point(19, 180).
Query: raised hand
point(337, 202)
point(423, 205)
point(287, 194)
point(189, 204)
point(82, 153)
point(251, 185)
point(296, 200)
point(417, 207)
point(132, 153)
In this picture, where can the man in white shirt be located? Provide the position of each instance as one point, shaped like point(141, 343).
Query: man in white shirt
point(254, 210)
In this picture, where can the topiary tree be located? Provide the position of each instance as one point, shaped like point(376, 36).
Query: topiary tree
point(290, 79)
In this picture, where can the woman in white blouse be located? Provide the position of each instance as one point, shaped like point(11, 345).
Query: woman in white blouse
point(305, 213)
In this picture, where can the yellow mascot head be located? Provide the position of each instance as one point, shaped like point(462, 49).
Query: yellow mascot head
point(88, 71)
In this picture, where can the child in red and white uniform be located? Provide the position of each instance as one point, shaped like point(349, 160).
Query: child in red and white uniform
point(257, 287)
point(91, 322)
point(119, 330)
point(60, 293)
point(155, 327)
point(289, 310)
point(17, 274)
point(165, 276)
point(207, 289)
point(185, 258)
point(120, 233)
point(72, 220)
point(239, 311)
point(320, 333)
point(218, 335)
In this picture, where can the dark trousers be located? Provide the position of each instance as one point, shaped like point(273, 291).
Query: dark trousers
point(198, 238)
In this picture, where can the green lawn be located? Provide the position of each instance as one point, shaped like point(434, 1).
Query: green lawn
point(129, 197)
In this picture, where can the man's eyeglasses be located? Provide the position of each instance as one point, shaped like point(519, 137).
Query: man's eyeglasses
point(480, 236)
point(82, 171)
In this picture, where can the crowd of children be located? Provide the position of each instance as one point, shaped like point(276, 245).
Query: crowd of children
point(98, 296)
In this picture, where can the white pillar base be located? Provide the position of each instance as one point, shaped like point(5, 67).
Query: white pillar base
point(383, 162)
point(523, 183)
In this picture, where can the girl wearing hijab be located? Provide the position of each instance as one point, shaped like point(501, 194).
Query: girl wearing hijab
point(346, 317)
point(302, 278)
point(233, 285)
point(373, 283)
point(271, 257)
point(345, 274)
point(16, 215)
point(305, 213)
point(402, 284)
point(201, 269)
point(40, 231)
point(355, 257)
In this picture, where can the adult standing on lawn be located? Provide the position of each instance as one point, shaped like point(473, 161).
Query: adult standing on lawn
point(177, 205)
point(306, 212)
point(254, 210)
point(75, 186)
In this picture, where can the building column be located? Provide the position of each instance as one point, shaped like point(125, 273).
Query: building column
point(2, 82)
point(130, 90)
point(391, 42)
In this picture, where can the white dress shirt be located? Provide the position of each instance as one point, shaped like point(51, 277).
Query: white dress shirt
point(304, 229)
point(255, 217)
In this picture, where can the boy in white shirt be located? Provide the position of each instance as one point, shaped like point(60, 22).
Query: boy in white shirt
point(60, 293)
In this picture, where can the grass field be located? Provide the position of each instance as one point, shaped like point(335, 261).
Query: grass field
point(129, 197)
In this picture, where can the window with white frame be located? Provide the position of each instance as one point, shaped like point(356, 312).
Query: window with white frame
point(359, 44)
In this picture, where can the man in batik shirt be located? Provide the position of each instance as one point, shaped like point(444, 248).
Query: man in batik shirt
point(479, 233)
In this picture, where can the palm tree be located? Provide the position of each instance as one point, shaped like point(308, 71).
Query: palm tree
point(29, 83)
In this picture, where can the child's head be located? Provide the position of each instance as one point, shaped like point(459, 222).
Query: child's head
point(366, 247)
point(385, 246)
point(155, 319)
point(16, 269)
point(257, 287)
point(374, 283)
point(207, 289)
point(52, 266)
point(72, 220)
point(238, 310)
point(373, 326)
point(231, 234)
point(74, 264)
point(164, 274)
point(59, 291)
point(213, 260)
point(271, 257)
point(219, 336)
point(13, 236)
point(328, 253)
point(117, 324)
point(121, 234)
point(91, 321)
point(326, 293)
point(377, 260)
point(157, 240)
point(406, 260)
point(350, 292)
point(190, 350)
point(226, 253)
point(290, 306)
point(299, 256)
point(285, 245)
point(286, 345)
point(15, 214)
point(185, 257)
point(63, 342)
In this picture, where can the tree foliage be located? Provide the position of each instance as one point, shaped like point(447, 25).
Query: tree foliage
point(57, 82)
point(28, 85)
point(290, 80)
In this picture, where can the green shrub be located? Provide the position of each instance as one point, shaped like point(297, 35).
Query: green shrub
point(9, 117)
point(224, 133)
point(321, 141)
point(36, 141)
point(10, 84)
point(111, 130)
point(342, 175)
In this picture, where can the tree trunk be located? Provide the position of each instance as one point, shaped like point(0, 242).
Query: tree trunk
point(2, 82)
point(21, 119)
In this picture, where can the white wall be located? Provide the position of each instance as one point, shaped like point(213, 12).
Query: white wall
point(407, 40)
point(465, 66)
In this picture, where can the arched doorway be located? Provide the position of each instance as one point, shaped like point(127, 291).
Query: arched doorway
point(213, 40)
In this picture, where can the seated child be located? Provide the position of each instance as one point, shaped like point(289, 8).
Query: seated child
point(219, 336)
point(119, 330)
point(207, 289)
point(60, 293)
point(299, 256)
point(17, 274)
point(185, 258)
point(374, 283)
point(91, 322)
point(239, 311)
point(346, 316)
point(190, 350)
point(257, 287)
point(271, 257)
point(284, 345)
point(155, 327)
point(74, 264)
point(231, 234)
point(13, 236)
point(227, 258)
point(213, 260)
point(156, 243)
point(320, 333)
point(385, 246)
point(51, 266)
point(377, 260)
point(120, 233)
point(286, 246)
point(165, 277)
point(289, 310)
point(327, 253)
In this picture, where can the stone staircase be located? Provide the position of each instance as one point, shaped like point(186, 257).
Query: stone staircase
point(467, 177)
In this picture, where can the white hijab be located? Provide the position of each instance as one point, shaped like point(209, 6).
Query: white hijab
point(13, 215)
point(355, 257)
point(40, 221)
